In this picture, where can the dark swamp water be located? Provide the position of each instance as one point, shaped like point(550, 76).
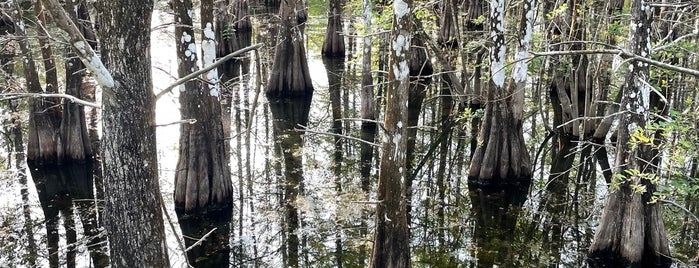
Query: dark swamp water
point(50, 216)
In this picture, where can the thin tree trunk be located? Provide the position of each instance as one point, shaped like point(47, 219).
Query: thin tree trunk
point(391, 237)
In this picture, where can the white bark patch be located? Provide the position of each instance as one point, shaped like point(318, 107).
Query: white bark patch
point(208, 46)
point(401, 44)
point(497, 54)
point(94, 64)
point(497, 67)
point(400, 9)
point(396, 142)
point(186, 38)
point(192, 49)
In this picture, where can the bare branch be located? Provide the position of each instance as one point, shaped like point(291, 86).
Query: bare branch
point(622, 53)
point(79, 44)
point(202, 239)
point(183, 121)
point(11, 96)
point(338, 135)
point(194, 75)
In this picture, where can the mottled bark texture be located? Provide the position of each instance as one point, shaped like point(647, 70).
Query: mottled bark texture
point(203, 188)
point(391, 236)
point(501, 156)
point(290, 76)
point(334, 43)
point(134, 220)
point(631, 232)
point(289, 114)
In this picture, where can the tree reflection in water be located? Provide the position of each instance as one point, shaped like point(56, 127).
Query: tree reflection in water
point(65, 191)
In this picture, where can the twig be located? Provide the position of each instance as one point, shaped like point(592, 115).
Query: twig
point(338, 135)
point(200, 240)
point(11, 96)
point(681, 207)
point(183, 121)
point(205, 69)
point(622, 53)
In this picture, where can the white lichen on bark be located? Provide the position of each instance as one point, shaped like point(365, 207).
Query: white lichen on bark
point(94, 64)
point(208, 45)
point(497, 53)
point(400, 9)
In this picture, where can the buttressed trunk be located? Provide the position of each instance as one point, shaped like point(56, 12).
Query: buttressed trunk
point(501, 156)
point(290, 76)
point(631, 232)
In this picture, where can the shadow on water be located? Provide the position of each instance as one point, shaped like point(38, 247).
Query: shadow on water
point(64, 191)
point(289, 115)
point(496, 212)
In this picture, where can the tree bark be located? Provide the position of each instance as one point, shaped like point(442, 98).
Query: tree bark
point(501, 156)
point(391, 237)
point(334, 43)
point(203, 189)
point(290, 76)
point(134, 219)
point(631, 232)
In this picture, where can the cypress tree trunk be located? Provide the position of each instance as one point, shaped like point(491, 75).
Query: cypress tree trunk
point(134, 219)
point(42, 141)
point(501, 156)
point(203, 189)
point(334, 43)
point(631, 232)
point(290, 76)
point(449, 25)
point(391, 237)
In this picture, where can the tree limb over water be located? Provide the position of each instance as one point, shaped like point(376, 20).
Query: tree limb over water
point(205, 69)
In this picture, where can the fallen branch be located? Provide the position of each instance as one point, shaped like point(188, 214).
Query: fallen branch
point(194, 75)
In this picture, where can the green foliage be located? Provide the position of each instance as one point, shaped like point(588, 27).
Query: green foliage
point(558, 11)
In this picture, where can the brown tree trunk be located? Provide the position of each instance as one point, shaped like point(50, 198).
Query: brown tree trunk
point(631, 231)
point(501, 156)
point(133, 205)
point(391, 237)
point(75, 143)
point(203, 189)
point(420, 70)
point(290, 76)
point(449, 24)
point(44, 115)
point(334, 43)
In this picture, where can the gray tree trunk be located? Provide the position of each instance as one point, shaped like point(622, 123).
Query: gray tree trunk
point(134, 220)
